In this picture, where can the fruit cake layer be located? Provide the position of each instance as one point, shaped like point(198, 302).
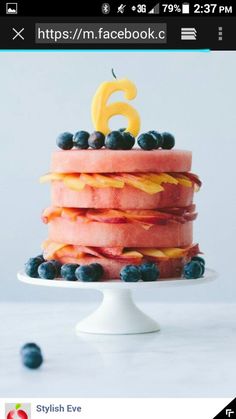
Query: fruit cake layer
point(114, 161)
point(111, 228)
point(170, 261)
point(141, 194)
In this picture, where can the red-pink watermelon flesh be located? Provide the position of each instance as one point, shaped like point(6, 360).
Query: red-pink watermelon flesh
point(114, 161)
point(113, 235)
point(171, 268)
point(126, 198)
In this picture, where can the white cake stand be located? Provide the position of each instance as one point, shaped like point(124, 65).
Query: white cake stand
point(117, 314)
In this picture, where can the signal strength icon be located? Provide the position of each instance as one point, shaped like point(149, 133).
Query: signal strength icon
point(155, 10)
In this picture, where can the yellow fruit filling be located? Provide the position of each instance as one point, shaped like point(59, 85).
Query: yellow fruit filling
point(53, 250)
point(150, 183)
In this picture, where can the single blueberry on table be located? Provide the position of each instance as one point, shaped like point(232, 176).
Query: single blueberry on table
point(114, 140)
point(29, 346)
point(68, 271)
point(158, 137)
point(147, 141)
point(86, 273)
point(98, 270)
point(32, 358)
point(128, 140)
point(130, 273)
point(80, 139)
point(168, 141)
point(31, 267)
point(96, 140)
point(47, 270)
point(65, 140)
point(193, 270)
point(149, 271)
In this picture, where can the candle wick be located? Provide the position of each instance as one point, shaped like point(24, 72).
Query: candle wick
point(112, 71)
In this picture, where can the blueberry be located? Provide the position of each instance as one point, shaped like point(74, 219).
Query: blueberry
point(29, 346)
point(68, 271)
point(96, 140)
point(114, 140)
point(86, 273)
point(199, 259)
point(98, 270)
point(121, 129)
point(80, 139)
point(130, 273)
point(168, 140)
point(203, 268)
point(147, 141)
point(32, 358)
point(193, 270)
point(47, 270)
point(128, 141)
point(158, 138)
point(65, 140)
point(41, 257)
point(149, 271)
point(57, 266)
point(31, 267)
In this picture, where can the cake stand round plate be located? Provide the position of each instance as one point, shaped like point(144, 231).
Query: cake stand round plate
point(117, 314)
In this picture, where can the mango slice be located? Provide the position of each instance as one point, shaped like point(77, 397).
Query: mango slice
point(139, 182)
point(152, 252)
point(109, 181)
point(51, 176)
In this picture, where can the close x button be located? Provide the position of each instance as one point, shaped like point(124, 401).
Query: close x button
point(17, 34)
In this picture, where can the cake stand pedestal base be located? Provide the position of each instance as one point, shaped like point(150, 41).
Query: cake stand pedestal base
point(117, 314)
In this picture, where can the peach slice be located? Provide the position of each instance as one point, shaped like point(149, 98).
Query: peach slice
point(183, 180)
point(107, 216)
point(50, 248)
point(130, 256)
point(88, 250)
point(174, 252)
point(179, 210)
point(50, 213)
point(192, 250)
point(109, 180)
point(74, 214)
point(140, 182)
point(68, 250)
point(74, 182)
point(148, 216)
point(155, 253)
point(160, 178)
point(194, 178)
point(51, 176)
point(112, 252)
point(90, 180)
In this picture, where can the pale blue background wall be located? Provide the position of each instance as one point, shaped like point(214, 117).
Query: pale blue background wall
point(189, 94)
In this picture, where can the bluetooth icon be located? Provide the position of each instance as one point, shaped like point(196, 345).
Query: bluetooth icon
point(105, 8)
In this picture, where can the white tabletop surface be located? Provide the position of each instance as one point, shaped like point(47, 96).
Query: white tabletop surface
point(192, 356)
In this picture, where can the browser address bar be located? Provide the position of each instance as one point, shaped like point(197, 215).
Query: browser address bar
point(97, 33)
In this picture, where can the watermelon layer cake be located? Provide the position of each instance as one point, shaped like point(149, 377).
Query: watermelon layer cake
point(121, 207)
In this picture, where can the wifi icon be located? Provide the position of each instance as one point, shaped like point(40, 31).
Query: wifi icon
point(155, 10)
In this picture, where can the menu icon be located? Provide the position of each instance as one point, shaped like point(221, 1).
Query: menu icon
point(188, 34)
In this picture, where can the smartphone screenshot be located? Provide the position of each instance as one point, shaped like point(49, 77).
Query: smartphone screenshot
point(117, 286)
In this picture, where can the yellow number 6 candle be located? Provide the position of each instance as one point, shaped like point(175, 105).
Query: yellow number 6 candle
point(102, 112)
